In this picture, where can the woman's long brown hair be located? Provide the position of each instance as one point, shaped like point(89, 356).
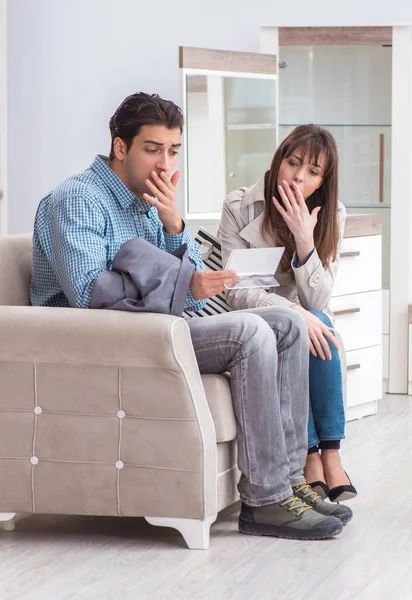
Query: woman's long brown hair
point(313, 141)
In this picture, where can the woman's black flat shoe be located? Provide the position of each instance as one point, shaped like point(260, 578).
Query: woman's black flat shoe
point(320, 488)
point(342, 492)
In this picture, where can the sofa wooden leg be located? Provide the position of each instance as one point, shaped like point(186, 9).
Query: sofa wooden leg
point(195, 532)
point(7, 521)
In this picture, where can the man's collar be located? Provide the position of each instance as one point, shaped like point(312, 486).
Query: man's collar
point(121, 192)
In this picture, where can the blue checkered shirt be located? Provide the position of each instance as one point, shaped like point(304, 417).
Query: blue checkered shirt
point(79, 228)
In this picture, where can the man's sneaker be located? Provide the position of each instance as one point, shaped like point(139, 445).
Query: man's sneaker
point(291, 518)
point(310, 497)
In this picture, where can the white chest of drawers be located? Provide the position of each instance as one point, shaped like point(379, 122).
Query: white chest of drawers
point(357, 304)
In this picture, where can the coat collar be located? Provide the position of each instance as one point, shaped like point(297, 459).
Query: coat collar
point(252, 232)
point(255, 193)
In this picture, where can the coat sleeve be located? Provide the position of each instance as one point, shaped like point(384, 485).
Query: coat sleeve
point(315, 283)
point(145, 278)
point(230, 239)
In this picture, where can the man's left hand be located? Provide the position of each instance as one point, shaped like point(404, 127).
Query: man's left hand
point(164, 190)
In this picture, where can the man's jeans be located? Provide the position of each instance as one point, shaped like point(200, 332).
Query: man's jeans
point(266, 351)
point(327, 413)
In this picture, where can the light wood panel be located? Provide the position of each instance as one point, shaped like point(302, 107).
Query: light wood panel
point(226, 60)
point(334, 36)
point(350, 254)
point(359, 225)
point(346, 311)
point(196, 83)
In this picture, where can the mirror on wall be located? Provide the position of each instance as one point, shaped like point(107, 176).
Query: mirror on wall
point(230, 135)
point(230, 107)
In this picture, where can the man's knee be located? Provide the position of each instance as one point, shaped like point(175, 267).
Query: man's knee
point(285, 322)
point(251, 329)
point(298, 320)
point(289, 320)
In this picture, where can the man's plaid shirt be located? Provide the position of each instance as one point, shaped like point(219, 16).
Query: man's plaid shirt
point(79, 228)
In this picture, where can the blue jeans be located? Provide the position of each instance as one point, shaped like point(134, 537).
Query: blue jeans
point(326, 411)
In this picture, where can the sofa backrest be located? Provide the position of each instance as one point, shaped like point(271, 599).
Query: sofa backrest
point(15, 269)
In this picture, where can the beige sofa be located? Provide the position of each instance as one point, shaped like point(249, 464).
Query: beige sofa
point(105, 413)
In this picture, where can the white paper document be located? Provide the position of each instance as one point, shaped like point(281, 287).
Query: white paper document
point(256, 267)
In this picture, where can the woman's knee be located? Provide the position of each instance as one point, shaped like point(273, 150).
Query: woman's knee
point(322, 317)
point(326, 321)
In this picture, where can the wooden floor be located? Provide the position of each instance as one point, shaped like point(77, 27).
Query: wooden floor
point(69, 558)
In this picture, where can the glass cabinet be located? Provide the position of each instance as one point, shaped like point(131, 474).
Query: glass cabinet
point(347, 90)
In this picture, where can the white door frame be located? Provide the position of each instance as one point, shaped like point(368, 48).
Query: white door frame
point(3, 119)
point(401, 209)
point(401, 197)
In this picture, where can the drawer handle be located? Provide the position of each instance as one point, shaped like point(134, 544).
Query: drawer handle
point(346, 311)
point(352, 253)
point(353, 367)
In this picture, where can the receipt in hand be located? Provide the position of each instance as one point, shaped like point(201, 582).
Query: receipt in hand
point(256, 267)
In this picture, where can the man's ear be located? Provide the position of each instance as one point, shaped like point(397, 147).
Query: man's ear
point(119, 148)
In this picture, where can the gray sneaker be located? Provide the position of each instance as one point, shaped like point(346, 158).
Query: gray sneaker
point(291, 519)
point(310, 497)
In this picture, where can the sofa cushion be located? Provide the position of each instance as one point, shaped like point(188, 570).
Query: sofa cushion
point(217, 389)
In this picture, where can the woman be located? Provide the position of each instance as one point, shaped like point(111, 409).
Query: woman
point(295, 205)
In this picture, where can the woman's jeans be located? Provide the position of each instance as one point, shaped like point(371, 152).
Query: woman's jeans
point(326, 411)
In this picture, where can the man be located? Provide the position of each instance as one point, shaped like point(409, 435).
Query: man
point(112, 237)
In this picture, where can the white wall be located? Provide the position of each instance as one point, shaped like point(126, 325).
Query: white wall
point(70, 63)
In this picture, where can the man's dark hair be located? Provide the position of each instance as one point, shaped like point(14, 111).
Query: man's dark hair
point(142, 109)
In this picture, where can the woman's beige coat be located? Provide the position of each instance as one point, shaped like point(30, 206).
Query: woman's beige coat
point(240, 227)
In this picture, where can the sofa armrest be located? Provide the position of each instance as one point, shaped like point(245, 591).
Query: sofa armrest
point(98, 337)
point(166, 437)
